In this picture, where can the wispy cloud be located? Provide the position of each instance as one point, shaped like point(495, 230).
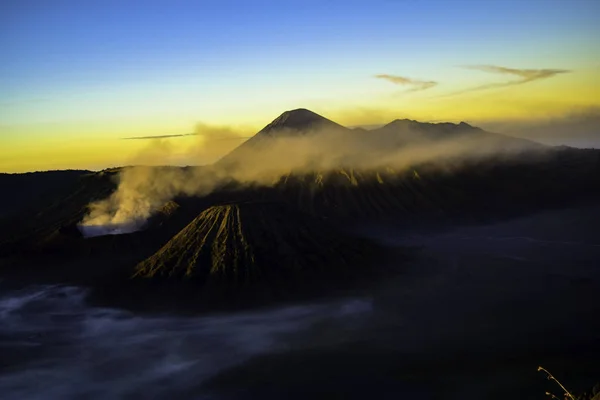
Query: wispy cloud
point(415, 84)
point(527, 75)
point(524, 75)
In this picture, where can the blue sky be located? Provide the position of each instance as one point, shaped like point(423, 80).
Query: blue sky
point(171, 63)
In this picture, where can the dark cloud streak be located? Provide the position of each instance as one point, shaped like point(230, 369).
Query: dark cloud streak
point(158, 137)
point(180, 135)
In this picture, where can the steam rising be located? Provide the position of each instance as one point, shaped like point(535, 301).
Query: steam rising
point(267, 157)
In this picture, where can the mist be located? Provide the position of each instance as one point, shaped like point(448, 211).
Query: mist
point(266, 158)
point(579, 128)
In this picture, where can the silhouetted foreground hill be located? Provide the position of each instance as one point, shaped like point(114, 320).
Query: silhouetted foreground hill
point(22, 190)
point(62, 206)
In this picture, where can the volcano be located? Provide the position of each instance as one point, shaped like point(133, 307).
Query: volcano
point(244, 244)
point(293, 123)
point(298, 122)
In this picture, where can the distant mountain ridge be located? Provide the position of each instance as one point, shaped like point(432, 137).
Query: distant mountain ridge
point(320, 132)
point(413, 131)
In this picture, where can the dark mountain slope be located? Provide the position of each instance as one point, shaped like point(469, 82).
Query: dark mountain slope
point(22, 191)
point(65, 242)
point(63, 207)
point(483, 189)
point(52, 225)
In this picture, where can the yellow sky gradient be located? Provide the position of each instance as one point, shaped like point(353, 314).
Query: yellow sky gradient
point(98, 144)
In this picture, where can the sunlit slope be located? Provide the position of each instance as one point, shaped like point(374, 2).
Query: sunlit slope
point(255, 242)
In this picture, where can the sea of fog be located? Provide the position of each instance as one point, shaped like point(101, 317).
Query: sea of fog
point(54, 346)
point(470, 315)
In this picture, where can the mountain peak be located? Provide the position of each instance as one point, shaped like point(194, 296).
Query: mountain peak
point(300, 114)
point(402, 122)
point(300, 119)
point(296, 122)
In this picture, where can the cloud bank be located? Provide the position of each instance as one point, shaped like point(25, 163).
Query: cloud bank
point(578, 128)
point(144, 190)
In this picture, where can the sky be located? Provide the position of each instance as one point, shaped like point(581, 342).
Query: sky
point(76, 77)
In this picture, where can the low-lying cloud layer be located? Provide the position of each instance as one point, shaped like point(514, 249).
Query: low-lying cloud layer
point(580, 128)
point(414, 85)
point(143, 190)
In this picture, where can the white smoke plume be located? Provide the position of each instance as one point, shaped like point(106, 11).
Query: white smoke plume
point(142, 189)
